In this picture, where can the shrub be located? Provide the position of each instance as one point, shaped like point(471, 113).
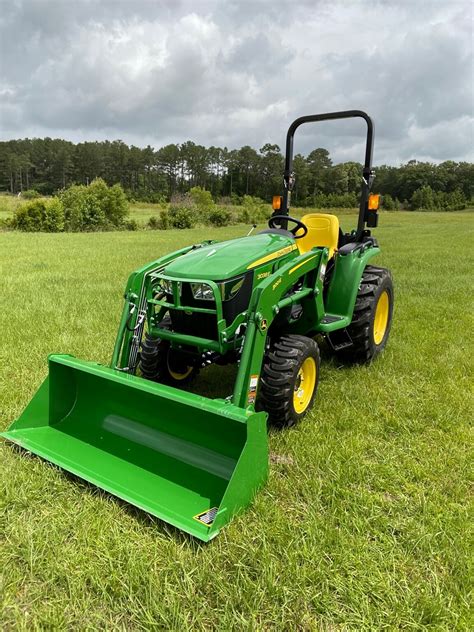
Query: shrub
point(115, 202)
point(74, 202)
point(422, 199)
point(6, 223)
point(181, 199)
point(164, 222)
point(201, 198)
point(40, 215)
point(108, 204)
point(219, 216)
point(30, 194)
point(53, 220)
point(235, 199)
point(131, 224)
point(153, 223)
point(183, 212)
point(250, 201)
point(96, 207)
point(425, 199)
point(182, 217)
point(93, 212)
point(244, 216)
point(28, 217)
point(225, 200)
point(457, 200)
point(253, 210)
point(388, 202)
point(453, 201)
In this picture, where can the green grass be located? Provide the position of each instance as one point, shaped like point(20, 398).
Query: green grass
point(8, 204)
point(142, 211)
point(363, 524)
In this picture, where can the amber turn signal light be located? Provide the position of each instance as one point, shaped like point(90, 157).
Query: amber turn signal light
point(276, 202)
point(374, 201)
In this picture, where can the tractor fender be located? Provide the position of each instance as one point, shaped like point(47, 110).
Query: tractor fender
point(344, 285)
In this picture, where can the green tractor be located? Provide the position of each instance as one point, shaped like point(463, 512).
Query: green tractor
point(257, 302)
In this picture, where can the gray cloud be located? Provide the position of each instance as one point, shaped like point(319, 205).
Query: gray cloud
point(235, 73)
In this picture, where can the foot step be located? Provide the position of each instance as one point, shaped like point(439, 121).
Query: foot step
point(330, 319)
point(340, 340)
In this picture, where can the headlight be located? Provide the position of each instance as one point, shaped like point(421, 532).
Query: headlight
point(202, 291)
point(227, 289)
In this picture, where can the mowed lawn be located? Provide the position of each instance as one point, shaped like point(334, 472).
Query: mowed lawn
point(363, 524)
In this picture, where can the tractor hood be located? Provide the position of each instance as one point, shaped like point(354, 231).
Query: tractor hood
point(226, 259)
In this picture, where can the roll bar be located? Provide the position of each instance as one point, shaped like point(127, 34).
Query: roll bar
point(367, 172)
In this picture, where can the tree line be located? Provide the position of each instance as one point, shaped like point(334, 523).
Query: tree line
point(48, 165)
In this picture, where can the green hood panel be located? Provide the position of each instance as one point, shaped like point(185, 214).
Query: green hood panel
point(226, 259)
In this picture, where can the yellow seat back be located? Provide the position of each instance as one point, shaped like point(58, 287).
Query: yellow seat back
point(323, 230)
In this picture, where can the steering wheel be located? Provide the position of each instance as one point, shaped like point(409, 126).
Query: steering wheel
point(299, 225)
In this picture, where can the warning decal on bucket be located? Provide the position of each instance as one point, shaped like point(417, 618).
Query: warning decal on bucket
point(207, 517)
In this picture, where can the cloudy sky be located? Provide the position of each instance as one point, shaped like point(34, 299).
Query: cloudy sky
point(236, 72)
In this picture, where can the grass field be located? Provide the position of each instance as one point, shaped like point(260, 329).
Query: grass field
point(142, 211)
point(363, 524)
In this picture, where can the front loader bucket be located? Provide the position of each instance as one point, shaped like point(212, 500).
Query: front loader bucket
point(192, 461)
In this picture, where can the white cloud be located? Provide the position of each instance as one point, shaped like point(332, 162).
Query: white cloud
point(238, 73)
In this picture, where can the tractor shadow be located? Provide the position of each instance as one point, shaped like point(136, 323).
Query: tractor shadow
point(214, 381)
point(218, 381)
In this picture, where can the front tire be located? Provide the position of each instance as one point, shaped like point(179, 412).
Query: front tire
point(289, 379)
point(159, 363)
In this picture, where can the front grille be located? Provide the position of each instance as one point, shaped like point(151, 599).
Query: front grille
point(194, 324)
point(205, 325)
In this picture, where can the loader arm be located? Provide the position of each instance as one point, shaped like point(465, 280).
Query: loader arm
point(266, 302)
point(130, 331)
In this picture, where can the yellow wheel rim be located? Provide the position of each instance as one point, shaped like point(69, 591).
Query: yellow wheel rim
point(381, 317)
point(304, 385)
point(179, 376)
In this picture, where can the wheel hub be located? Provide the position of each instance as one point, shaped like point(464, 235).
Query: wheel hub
point(304, 385)
point(381, 317)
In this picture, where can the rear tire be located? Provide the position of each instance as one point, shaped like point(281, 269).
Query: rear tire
point(372, 318)
point(159, 364)
point(289, 379)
